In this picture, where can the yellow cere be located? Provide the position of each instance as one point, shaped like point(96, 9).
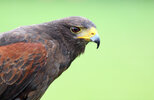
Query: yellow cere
point(87, 34)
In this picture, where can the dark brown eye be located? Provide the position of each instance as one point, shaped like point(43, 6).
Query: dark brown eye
point(75, 29)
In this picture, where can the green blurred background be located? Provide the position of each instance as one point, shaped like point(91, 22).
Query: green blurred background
point(121, 69)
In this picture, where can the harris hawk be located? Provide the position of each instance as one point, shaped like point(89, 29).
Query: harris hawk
point(32, 57)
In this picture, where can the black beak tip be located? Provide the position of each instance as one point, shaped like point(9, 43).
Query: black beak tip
point(98, 43)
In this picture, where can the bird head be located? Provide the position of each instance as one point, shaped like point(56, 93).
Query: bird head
point(87, 34)
point(80, 29)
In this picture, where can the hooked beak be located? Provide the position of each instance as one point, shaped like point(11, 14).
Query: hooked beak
point(90, 35)
point(96, 39)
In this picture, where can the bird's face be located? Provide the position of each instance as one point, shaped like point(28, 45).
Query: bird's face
point(82, 29)
point(87, 34)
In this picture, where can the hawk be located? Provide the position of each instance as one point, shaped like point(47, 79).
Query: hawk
point(32, 57)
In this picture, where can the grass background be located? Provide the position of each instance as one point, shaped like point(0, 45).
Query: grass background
point(121, 69)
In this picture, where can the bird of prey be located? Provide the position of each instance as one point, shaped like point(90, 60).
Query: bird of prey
point(32, 57)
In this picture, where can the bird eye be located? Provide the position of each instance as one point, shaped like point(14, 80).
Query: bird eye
point(75, 29)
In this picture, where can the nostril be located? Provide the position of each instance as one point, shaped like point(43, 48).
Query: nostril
point(92, 33)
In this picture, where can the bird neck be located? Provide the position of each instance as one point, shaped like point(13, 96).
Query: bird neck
point(74, 48)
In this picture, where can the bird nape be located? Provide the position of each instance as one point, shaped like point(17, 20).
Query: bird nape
point(32, 57)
